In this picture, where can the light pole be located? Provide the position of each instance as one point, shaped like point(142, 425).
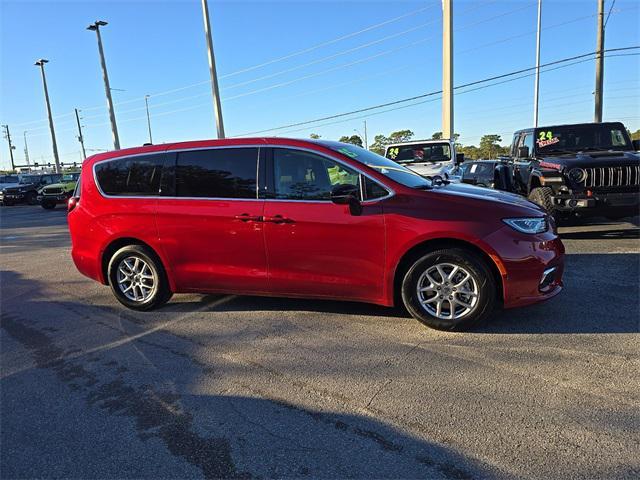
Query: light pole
point(40, 63)
point(597, 116)
point(146, 102)
point(212, 70)
point(95, 26)
point(7, 136)
point(447, 69)
point(80, 136)
point(26, 148)
point(536, 91)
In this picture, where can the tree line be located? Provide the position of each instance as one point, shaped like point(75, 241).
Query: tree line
point(489, 146)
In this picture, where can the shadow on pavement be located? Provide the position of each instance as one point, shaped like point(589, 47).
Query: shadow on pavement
point(221, 435)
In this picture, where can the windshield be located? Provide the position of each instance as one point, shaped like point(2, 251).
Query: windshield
point(29, 179)
point(70, 177)
point(577, 138)
point(388, 168)
point(419, 153)
point(9, 179)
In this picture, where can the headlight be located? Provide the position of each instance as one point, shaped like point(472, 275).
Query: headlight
point(577, 175)
point(528, 225)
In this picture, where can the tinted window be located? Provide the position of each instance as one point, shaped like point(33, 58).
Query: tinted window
point(131, 176)
point(528, 142)
point(588, 136)
point(373, 190)
point(304, 176)
point(217, 173)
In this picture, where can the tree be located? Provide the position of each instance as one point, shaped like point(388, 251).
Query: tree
point(381, 141)
point(635, 135)
point(353, 139)
point(490, 146)
point(436, 136)
point(315, 136)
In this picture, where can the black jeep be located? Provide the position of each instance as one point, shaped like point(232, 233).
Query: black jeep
point(581, 170)
point(26, 191)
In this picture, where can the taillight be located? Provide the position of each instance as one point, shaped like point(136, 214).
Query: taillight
point(72, 202)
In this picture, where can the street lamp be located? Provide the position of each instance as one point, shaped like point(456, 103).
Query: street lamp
point(95, 26)
point(40, 63)
point(146, 102)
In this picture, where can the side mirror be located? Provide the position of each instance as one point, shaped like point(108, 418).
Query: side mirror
point(345, 194)
point(636, 145)
point(523, 152)
point(459, 158)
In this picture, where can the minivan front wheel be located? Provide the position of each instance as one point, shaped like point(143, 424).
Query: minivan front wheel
point(449, 289)
point(137, 278)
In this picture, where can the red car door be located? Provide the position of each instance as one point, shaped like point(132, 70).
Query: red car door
point(210, 225)
point(315, 247)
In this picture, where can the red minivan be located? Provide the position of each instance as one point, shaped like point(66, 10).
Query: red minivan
point(312, 219)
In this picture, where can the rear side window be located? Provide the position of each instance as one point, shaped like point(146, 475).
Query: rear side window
point(217, 173)
point(133, 176)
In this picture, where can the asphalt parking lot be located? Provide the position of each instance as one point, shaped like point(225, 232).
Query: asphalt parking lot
point(256, 387)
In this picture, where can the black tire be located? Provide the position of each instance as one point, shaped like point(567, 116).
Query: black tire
point(542, 196)
point(31, 198)
point(467, 262)
point(160, 293)
point(7, 203)
point(48, 204)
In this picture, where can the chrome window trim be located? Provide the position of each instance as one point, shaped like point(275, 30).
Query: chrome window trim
point(258, 146)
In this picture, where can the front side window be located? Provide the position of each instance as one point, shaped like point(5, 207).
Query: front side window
point(302, 175)
point(528, 142)
point(132, 176)
point(217, 173)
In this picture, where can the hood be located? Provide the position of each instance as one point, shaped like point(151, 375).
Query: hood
point(19, 186)
point(488, 195)
point(604, 158)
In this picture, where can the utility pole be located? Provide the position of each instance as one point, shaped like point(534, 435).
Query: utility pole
point(7, 136)
point(26, 149)
point(40, 63)
point(80, 137)
point(599, 63)
point(95, 26)
point(447, 69)
point(536, 92)
point(146, 102)
point(366, 141)
point(212, 70)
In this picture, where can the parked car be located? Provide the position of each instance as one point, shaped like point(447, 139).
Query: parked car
point(10, 180)
point(313, 219)
point(426, 157)
point(481, 173)
point(26, 191)
point(580, 170)
point(51, 195)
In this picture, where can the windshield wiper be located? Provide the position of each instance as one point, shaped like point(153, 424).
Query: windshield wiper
point(559, 150)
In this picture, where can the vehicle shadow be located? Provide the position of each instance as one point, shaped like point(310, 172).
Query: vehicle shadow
point(601, 295)
point(155, 382)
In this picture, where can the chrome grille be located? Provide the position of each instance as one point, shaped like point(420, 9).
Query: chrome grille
point(52, 191)
point(625, 176)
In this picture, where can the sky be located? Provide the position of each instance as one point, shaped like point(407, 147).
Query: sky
point(284, 62)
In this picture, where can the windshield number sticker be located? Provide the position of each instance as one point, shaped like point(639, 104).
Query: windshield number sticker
point(393, 153)
point(546, 138)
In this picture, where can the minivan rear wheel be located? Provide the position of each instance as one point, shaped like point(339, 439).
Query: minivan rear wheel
point(450, 289)
point(138, 279)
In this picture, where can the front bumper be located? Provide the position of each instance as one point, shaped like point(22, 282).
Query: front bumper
point(12, 197)
point(531, 265)
point(598, 204)
point(61, 198)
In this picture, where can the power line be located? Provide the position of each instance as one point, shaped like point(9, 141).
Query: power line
point(436, 92)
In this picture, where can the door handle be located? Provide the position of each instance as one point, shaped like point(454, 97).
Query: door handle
point(277, 219)
point(245, 217)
